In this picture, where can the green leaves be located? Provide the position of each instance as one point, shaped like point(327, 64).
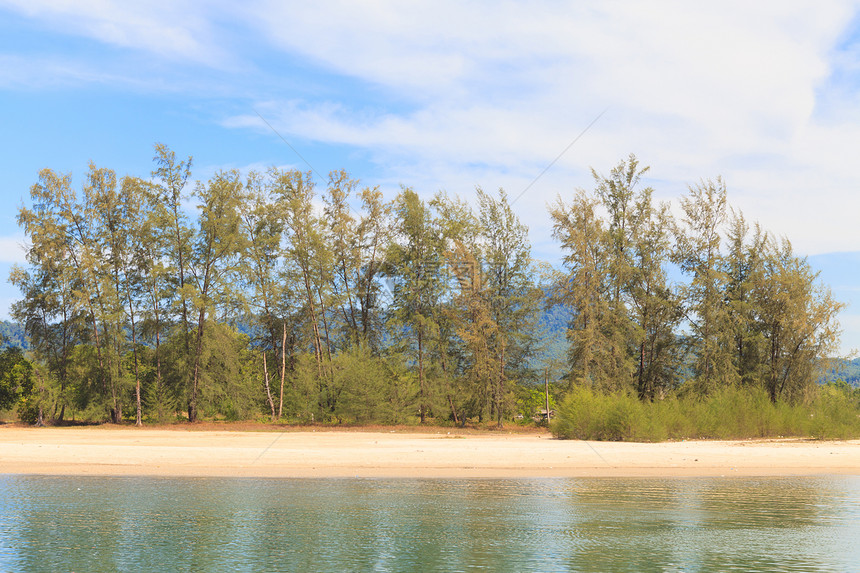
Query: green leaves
point(256, 296)
point(753, 314)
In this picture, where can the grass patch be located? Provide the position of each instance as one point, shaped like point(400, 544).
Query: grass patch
point(730, 413)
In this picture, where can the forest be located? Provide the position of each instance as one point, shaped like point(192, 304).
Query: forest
point(263, 297)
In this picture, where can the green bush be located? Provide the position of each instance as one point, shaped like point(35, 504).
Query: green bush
point(835, 413)
point(728, 413)
point(585, 414)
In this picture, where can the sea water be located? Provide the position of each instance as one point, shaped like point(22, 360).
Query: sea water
point(217, 524)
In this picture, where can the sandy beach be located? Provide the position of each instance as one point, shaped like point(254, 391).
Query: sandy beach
point(126, 451)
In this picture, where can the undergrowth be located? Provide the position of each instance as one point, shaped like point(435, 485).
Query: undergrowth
point(730, 413)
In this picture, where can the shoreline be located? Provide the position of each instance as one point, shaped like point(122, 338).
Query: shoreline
point(440, 453)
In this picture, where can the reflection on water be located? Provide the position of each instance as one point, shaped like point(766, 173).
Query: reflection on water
point(133, 524)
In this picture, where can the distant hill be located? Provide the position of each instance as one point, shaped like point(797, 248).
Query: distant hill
point(12, 334)
point(846, 370)
point(552, 340)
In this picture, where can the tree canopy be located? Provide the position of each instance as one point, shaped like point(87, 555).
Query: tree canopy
point(269, 297)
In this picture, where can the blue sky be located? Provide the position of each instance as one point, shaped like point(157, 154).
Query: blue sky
point(450, 95)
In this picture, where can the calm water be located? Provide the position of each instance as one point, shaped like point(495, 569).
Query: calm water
point(150, 524)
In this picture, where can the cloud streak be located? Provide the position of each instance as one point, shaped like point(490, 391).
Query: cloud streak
point(761, 93)
point(451, 94)
point(171, 29)
point(696, 92)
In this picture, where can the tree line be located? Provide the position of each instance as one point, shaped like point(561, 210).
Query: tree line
point(259, 295)
point(750, 311)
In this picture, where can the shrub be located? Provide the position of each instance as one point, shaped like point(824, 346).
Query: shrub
point(727, 413)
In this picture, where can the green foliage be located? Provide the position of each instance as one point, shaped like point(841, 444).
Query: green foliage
point(835, 413)
point(228, 387)
point(16, 374)
point(364, 389)
point(585, 414)
point(303, 397)
point(753, 314)
point(264, 305)
point(727, 413)
point(531, 401)
point(616, 244)
point(39, 398)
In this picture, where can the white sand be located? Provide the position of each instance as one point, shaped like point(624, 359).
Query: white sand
point(183, 452)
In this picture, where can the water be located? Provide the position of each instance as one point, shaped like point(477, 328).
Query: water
point(702, 524)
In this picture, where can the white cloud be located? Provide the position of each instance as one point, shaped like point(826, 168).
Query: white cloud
point(12, 250)
point(58, 71)
point(730, 89)
point(454, 94)
point(168, 28)
point(459, 93)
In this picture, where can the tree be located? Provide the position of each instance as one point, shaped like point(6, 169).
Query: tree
point(344, 243)
point(617, 194)
point(309, 271)
point(49, 309)
point(262, 227)
point(114, 212)
point(624, 312)
point(464, 325)
point(655, 307)
point(170, 288)
point(158, 291)
point(374, 235)
point(579, 229)
point(698, 255)
point(415, 264)
point(511, 295)
point(472, 318)
point(744, 268)
point(798, 319)
point(170, 222)
point(215, 247)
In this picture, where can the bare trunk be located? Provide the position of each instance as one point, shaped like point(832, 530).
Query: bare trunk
point(325, 330)
point(315, 325)
point(192, 403)
point(283, 371)
point(139, 415)
point(501, 386)
point(421, 406)
point(155, 308)
point(450, 400)
point(453, 410)
point(268, 390)
point(546, 394)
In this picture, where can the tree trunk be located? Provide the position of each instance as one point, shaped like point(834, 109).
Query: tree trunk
point(192, 403)
point(546, 390)
point(327, 339)
point(501, 387)
point(268, 390)
point(421, 405)
point(283, 371)
point(139, 413)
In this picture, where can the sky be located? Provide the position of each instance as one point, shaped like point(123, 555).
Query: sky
point(438, 95)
